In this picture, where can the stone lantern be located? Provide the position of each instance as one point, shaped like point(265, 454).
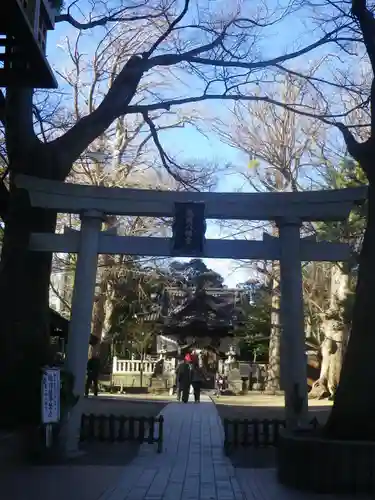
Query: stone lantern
point(162, 352)
point(230, 359)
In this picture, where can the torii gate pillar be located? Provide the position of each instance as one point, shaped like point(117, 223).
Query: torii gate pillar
point(80, 322)
point(293, 350)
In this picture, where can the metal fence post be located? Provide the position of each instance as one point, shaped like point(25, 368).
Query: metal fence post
point(161, 434)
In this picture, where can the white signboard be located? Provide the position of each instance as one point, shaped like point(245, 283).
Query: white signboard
point(50, 395)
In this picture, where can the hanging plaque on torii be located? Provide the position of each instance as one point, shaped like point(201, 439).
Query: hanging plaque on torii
point(189, 229)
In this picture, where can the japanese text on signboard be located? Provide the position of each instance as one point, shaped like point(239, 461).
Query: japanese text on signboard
point(189, 229)
point(50, 396)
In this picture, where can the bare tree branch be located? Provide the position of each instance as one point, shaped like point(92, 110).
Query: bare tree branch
point(279, 140)
point(356, 149)
point(190, 56)
point(169, 30)
point(60, 296)
point(40, 122)
point(165, 159)
point(114, 104)
point(311, 78)
point(328, 118)
point(115, 17)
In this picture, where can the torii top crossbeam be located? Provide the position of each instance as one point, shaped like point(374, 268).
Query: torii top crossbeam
point(307, 206)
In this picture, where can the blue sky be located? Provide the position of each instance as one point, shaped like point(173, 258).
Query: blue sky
point(194, 146)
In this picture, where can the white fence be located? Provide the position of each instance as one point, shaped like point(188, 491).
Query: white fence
point(136, 366)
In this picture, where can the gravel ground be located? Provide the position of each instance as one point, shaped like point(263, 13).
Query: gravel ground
point(121, 405)
point(263, 406)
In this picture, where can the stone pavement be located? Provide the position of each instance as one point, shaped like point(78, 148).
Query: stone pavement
point(193, 466)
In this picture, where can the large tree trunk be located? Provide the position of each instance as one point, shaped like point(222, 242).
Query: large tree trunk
point(335, 338)
point(319, 389)
point(24, 301)
point(332, 353)
point(273, 370)
point(24, 275)
point(103, 306)
point(98, 316)
point(352, 416)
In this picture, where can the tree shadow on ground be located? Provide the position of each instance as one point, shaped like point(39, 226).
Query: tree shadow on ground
point(261, 457)
point(96, 453)
point(115, 453)
point(59, 482)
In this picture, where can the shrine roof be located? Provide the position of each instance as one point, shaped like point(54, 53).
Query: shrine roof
point(210, 308)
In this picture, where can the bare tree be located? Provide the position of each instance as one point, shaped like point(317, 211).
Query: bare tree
point(279, 145)
point(122, 156)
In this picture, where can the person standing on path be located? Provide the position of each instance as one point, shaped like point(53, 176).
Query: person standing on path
point(93, 371)
point(197, 378)
point(183, 379)
point(219, 383)
point(179, 370)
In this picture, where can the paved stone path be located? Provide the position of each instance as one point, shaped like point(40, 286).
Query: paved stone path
point(193, 466)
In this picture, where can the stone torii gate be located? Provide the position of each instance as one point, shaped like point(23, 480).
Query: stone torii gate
point(288, 210)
